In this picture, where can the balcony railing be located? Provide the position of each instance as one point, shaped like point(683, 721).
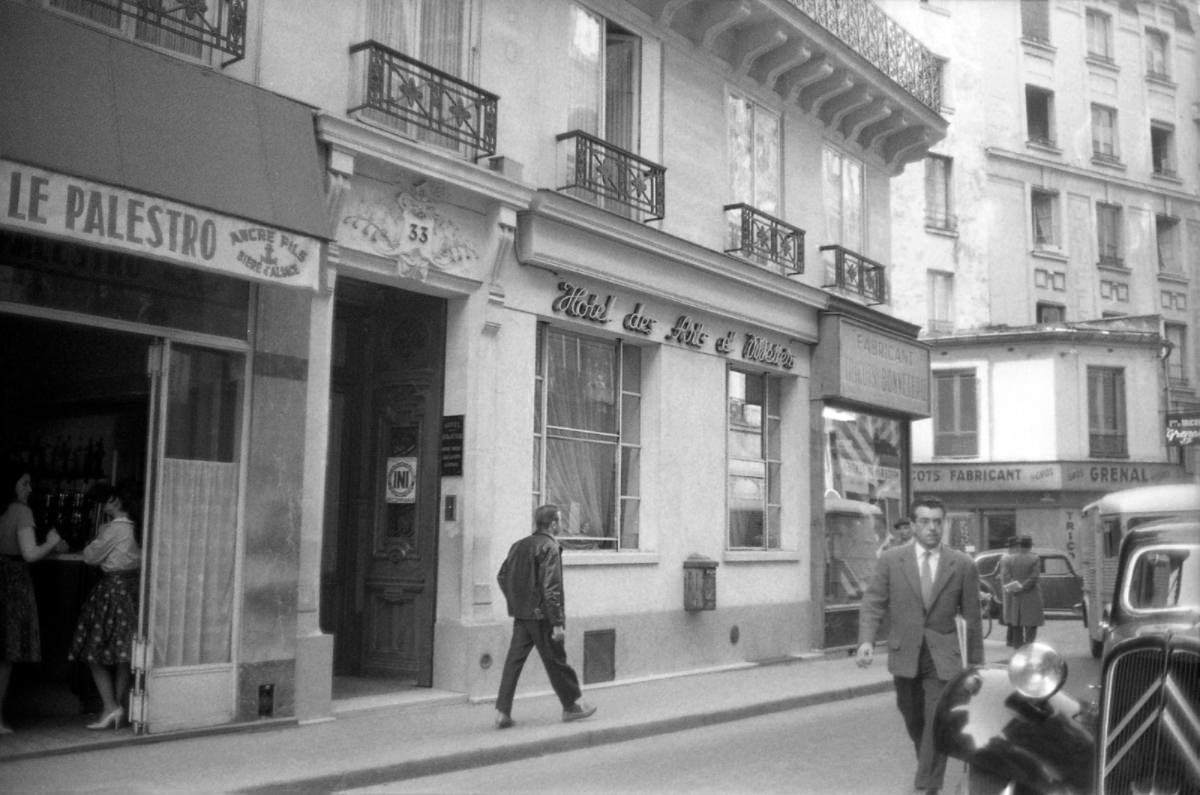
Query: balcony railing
point(219, 24)
point(610, 177)
point(1106, 158)
point(891, 49)
point(854, 273)
point(946, 222)
point(758, 236)
point(425, 103)
point(1111, 444)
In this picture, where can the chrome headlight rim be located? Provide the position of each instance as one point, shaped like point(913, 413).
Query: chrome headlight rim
point(1037, 671)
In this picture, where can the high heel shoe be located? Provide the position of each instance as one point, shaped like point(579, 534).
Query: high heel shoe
point(110, 720)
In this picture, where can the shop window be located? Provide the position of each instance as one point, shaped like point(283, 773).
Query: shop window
point(1157, 55)
point(1035, 20)
point(604, 72)
point(939, 207)
point(587, 437)
point(1162, 149)
point(863, 496)
point(1108, 235)
point(1166, 229)
point(1044, 205)
point(65, 276)
point(753, 453)
point(1099, 35)
point(1106, 413)
point(1039, 115)
point(955, 413)
point(1104, 134)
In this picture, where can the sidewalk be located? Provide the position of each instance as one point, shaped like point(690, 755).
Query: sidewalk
point(439, 733)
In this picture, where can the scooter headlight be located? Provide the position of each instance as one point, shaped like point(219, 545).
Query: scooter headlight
point(1037, 671)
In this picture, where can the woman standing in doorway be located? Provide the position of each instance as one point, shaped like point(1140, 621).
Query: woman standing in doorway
point(108, 620)
point(20, 638)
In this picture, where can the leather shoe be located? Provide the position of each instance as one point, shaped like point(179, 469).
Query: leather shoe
point(504, 720)
point(578, 711)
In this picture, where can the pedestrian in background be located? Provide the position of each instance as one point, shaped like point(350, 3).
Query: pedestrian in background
point(108, 621)
point(532, 583)
point(1011, 633)
point(901, 534)
point(1019, 577)
point(922, 587)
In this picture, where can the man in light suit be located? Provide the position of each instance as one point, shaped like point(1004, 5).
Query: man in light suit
point(921, 587)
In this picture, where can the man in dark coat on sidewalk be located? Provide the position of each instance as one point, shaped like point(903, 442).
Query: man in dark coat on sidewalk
point(531, 579)
point(922, 587)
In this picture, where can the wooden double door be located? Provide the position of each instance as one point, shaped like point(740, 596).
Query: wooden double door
point(380, 558)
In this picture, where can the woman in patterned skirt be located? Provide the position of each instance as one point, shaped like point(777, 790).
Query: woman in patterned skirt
point(20, 640)
point(108, 620)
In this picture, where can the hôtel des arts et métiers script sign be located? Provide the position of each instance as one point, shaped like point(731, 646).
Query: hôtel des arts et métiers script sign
point(576, 302)
point(44, 202)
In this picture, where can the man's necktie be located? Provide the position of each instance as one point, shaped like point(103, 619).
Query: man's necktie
point(926, 577)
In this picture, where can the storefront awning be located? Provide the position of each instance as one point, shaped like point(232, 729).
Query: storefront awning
point(80, 102)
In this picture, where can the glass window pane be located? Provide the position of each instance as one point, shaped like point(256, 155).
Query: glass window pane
point(631, 471)
point(774, 445)
point(631, 426)
point(774, 485)
point(631, 369)
point(774, 524)
point(630, 524)
point(581, 383)
point(580, 480)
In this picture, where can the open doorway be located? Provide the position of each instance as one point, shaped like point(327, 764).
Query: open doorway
point(74, 405)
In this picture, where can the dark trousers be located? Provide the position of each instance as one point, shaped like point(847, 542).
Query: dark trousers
point(917, 697)
point(526, 636)
point(1018, 636)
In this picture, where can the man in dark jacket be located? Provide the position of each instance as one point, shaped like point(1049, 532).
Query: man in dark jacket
point(531, 579)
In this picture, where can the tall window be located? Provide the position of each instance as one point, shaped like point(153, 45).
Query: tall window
point(753, 459)
point(1177, 362)
point(1157, 54)
point(605, 77)
point(955, 413)
point(1044, 206)
point(939, 208)
point(1104, 133)
point(941, 302)
point(1162, 149)
point(1166, 230)
point(587, 437)
point(1035, 20)
point(1039, 115)
point(144, 25)
point(843, 197)
point(1108, 234)
point(436, 32)
point(753, 154)
point(1099, 35)
point(1106, 413)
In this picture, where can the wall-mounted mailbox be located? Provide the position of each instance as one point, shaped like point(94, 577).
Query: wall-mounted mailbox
point(699, 583)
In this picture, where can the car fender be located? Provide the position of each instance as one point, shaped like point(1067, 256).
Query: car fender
point(1045, 745)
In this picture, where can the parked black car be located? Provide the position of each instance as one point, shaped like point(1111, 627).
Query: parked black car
point(1062, 585)
point(1014, 726)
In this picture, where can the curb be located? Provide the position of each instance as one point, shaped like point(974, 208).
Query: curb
point(464, 760)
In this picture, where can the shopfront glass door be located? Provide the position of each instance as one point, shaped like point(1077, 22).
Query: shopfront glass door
point(194, 476)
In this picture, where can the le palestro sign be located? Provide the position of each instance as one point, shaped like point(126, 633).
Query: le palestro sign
point(687, 331)
point(47, 203)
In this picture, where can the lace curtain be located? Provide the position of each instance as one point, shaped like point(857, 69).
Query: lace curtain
point(193, 573)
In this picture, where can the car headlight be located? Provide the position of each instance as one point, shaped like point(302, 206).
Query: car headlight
point(1037, 671)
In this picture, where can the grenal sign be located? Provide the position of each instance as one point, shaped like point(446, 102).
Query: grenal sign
point(576, 302)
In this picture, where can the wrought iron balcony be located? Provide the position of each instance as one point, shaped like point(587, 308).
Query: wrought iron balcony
point(844, 62)
point(764, 238)
point(946, 222)
point(854, 273)
point(182, 25)
point(425, 103)
point(610, 177)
